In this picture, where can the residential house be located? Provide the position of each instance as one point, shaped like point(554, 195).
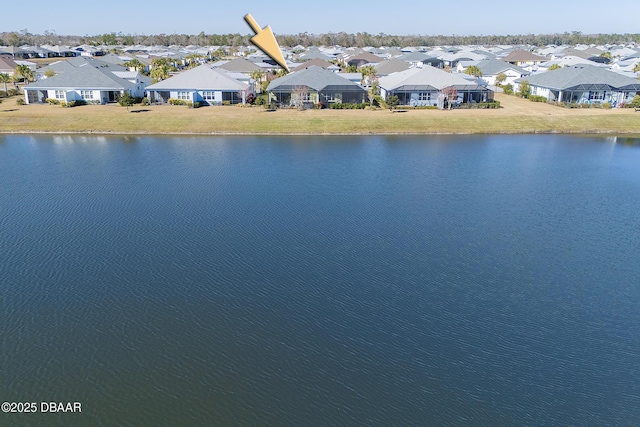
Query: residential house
point(583, 84)
point(490, 69)
point(315, 85)
point(315, 53)
point(390, 66)
point(361, 59)
point(203, 84)
point(96, 84)
point(452, 59)
point(71, 64)
point(524, 58)
point(7, 65)
point(418, 59)
point(61, 51)
point(318, 63)
point(240, 65)
point(421, 86)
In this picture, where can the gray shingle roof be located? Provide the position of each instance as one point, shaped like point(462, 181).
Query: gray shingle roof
point(316, 61)
point(582, 77)
point(389, 66)
point(490, 67)
point(521, 55)
point(427, 78)
point(79, 61)
point(240, 65)
point(85, 77)
point(200, 78)
point(315, 78)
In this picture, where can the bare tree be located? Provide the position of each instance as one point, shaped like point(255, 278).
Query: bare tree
point(451, 93)
point(300, 95)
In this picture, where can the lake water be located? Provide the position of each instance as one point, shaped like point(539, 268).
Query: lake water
point(485, 280)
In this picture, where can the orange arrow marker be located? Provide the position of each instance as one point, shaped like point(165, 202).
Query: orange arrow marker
point(266, 41)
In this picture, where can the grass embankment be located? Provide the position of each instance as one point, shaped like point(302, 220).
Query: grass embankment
point(517, 116)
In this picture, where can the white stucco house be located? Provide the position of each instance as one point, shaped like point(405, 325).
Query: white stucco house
point(490, 69)
point(583, 84)
point(95, 84)
point(201, 84)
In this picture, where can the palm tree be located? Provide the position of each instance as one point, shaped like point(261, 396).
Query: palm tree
point(473, 70)
point(500, 78)
point(5, 78)
point(135, 64)
point(160, 72)
point(257, 76)
point(25, 72)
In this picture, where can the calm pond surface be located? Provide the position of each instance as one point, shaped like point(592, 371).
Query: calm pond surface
point(298, 281)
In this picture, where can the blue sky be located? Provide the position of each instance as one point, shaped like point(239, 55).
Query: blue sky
point(403, 17)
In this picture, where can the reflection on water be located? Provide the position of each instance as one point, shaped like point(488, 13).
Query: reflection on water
point(334, 281)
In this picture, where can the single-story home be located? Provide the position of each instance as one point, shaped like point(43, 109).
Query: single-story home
point(101, 84)
point(7, 65)
point(418, 59)
point(363, 58)
point(318, 63)
point(421, 86)
point(490, 69)
point(71, 64)
point(315, 85)
point(523, 58)
point(583, 84)
point(201, 84)
point(390, 66)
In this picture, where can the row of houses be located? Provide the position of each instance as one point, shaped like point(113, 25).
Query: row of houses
point(95, 81)
point(416, 77)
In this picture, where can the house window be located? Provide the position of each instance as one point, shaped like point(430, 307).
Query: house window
point(208, 96)
point(183, 95)
point(305, 96)
point(86, 94)
point(59, 94)
point(596, 96)
point(424, 96)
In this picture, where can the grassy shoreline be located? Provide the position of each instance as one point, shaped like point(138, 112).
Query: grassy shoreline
point(518, 116)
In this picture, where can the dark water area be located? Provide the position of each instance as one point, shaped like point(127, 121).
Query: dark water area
point(485, 280)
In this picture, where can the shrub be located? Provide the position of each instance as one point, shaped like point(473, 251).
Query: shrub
point(72, 104)
point(635, 103)
point(52, 101)
point(20, 101)
point(508, 89)
point(226, 102)
point(525, 89)
point(13, 92)
point(126, 100)
point(537, 98)
point(572, 105)
point(197, 104)
point(493, 104)
point(190, 104)
point(173, 101)
point(348, 106)
point(392, 101)
point(63, 104)
point(261, 99)
point(606, 105)
point(144, 101)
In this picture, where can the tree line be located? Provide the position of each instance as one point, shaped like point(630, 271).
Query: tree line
point(305, 39)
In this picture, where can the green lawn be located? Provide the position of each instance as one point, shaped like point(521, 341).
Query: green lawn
point(516, 116)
